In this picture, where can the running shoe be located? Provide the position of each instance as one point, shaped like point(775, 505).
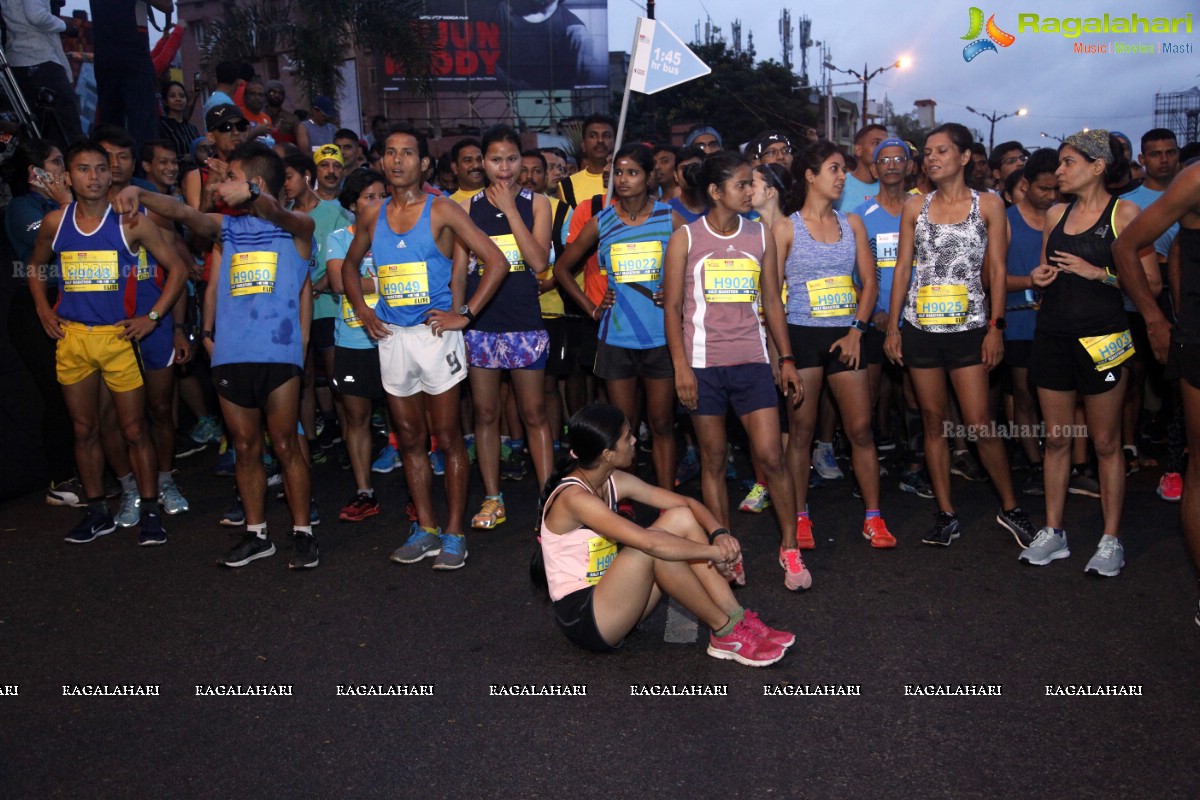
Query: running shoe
point(804, 535)
point(688, 467)
point(250, 548)
point(187, 446)
point(316, 455)
point(1035, 484)
point(764, 631)
point(66, 493)
point(796, 575)
point(304, 552)
point(885, 444)
point(625, 509)
point(236, 516)
point(454, 552)
point(152, 532)
point(1049, 545)
point(173, 501)
point(964, 465)
point(744, 646)
point(130, 512)
point(490, 515)
point(92, 526)
point(420, 544)
point(225, 463)
point(1170, 487)
point(1017, 523)
point(825, 463)
point(513, 468)
point(1083, 484)
point(362, 506)
point(314, 513)
point(914, 481)
point(730, 469)
point(757, 501)
point(388, 459)
point(1109, 558)
point(876, 532)
point(945, 530)
point(206, 429)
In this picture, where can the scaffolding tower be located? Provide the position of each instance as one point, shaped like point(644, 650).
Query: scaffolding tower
point(1179, 112)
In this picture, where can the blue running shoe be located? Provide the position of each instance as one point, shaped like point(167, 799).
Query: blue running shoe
point(437, 460)
point(389, 459)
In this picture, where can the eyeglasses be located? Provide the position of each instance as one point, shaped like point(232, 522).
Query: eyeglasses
point(241, 125)
point(883, 161)
point(1008, 162)
point(708, 145)
point(556, 167)
point(777, 152)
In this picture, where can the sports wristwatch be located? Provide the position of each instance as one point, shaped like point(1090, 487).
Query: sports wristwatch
point(465, 310)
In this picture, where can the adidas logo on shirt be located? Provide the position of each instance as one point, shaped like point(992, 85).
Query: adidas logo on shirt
point(401, 245)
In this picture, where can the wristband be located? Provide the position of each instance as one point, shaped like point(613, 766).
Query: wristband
point(1109, 278)
point(718, 532)
point(783, 360)
point(858, 325)
point(180, 327)
point(206, 334)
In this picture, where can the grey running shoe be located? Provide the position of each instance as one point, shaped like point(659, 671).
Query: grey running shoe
point(1050, 544)
point(130, 513)
point(1109, 558)
point(173, 501)
point(421, 544)
point(454, 552)
point(825, 463)
point(1085, 484)
point(964, 465)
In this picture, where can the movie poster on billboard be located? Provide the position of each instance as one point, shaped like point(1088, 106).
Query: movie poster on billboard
point(519, 45)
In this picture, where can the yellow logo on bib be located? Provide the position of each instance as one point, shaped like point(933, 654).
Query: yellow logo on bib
point(90, 271)
point(404, 284)
point(252, 273)
point(601, 553)
point(1109, 351)
point(731, 280)
point(351, 319)
point(886, 245)
point(942, 304)
point(635, 262)
point(832, 297)
point(508, 245)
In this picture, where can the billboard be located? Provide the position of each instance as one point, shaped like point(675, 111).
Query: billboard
point(518, 45)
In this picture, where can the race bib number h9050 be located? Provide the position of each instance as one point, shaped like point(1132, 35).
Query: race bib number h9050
point(252, 273)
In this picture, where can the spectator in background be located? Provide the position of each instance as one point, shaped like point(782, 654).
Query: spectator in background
point(225, 74)
point(125, 82)
point(318, 129)
point(173, 125)
point(352, 151)
point(378, 134)
point(283, 123)
point(253, 105)
point(40, 66)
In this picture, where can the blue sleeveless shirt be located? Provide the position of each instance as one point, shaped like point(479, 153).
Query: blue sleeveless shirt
point(97, 279)
point(632, 257)
point(414, 275)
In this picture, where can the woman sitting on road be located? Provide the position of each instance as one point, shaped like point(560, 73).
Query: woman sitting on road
point(600, 593)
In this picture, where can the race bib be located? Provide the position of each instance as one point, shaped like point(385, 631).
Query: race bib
point(404, 284)
point(349, 317)
point(90, 271)
point(886, 245)
point(1108, 351)
point(636, 262)
point(252, 273)
point(942, 304)
point(832, 297)
point(508, 245)
point(144, 271)
point(731, 280)
point(601, 553)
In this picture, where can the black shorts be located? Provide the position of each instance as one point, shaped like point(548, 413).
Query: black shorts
point(810, 346)
point(873, 346)
point(1183, 363)
point(1017, 352)
point(577, 619)
point(621, 363)
point(356, 372)
point(558, 354)
point(249, 385)
point(320, 334)
point(1063, 364)
point(588, 332)
point(1142, 352)
point(925, 350)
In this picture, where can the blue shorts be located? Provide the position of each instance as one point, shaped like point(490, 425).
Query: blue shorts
point(746, 387)
point(158, 349)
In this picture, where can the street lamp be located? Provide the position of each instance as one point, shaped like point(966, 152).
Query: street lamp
point(994, 118)
point(903, 63)
point(1048, 136)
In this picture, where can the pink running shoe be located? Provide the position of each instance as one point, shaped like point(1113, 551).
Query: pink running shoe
point(745, 647)
point(1170, 487)
point(764, 631)
point(796, 575)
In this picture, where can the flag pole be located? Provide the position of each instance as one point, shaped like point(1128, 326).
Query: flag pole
point(637, 31)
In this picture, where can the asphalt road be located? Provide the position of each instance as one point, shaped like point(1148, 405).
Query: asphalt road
point(880, 627)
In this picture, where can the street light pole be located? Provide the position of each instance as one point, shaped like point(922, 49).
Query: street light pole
point(866, 77)
point(994, 118)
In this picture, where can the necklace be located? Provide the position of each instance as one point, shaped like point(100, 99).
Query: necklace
point(633, 215)
point(722, 231)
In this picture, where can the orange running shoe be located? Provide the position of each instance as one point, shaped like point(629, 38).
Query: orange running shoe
point(876, 532)
point(804, 537)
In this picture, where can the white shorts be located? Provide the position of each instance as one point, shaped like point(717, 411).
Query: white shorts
point(414, 360)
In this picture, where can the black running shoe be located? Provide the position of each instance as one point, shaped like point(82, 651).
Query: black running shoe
point(305, 556)
point(249, 549)
point(152, 531)
point(1017, 523)
point(92, 526)
point(945, 530)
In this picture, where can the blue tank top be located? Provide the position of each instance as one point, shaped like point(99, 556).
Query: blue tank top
point(258, 295)
point(679, 208)
point(515, 305)
point(820, 277)
point(1024, 254)
point(348, 328)
point(883, 234)
point(97, 276)
point(414, 275)
point(632, 257)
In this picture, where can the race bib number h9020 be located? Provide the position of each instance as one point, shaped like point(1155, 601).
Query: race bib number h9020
point(731, 280)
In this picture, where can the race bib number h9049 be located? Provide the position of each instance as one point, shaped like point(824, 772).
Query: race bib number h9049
point(404, 284)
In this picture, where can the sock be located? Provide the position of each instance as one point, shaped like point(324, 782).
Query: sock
point(737, 615)
point(496, 497)
point(434, 531)
point(128, 483)
point(823, 445)
point(725, 629)
point(367, 492)
point(872, 513)
point(150, 506)
point(468, 439)
point(259, 529)
point(99, 505)
point(433, 444)
point(393, 442)
point(803, 514)
point(163, 479)
point(305, 529)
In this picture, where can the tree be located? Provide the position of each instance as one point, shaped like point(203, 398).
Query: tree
point(908, 129)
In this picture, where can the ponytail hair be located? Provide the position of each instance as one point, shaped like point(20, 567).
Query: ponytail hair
point(778, 179)
point(594, 429)
point(713, 171)
point(809, 159)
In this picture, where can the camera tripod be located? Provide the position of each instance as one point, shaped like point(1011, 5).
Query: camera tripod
point(16, 99)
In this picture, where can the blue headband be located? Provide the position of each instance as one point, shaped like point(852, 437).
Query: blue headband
point(700, 132)
point(891, 143)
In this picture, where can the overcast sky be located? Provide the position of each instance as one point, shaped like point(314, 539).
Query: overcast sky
point(1062, 91)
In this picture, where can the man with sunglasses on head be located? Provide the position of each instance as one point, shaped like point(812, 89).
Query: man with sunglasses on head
point(227, 128)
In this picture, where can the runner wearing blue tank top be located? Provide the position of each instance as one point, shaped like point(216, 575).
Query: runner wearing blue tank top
point(256, 311)
point(819, 250)
point(950, 325)
point(1082, 344)
point(418, 324)
point(97, 328)
point(509, 334)
point(630, 237)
